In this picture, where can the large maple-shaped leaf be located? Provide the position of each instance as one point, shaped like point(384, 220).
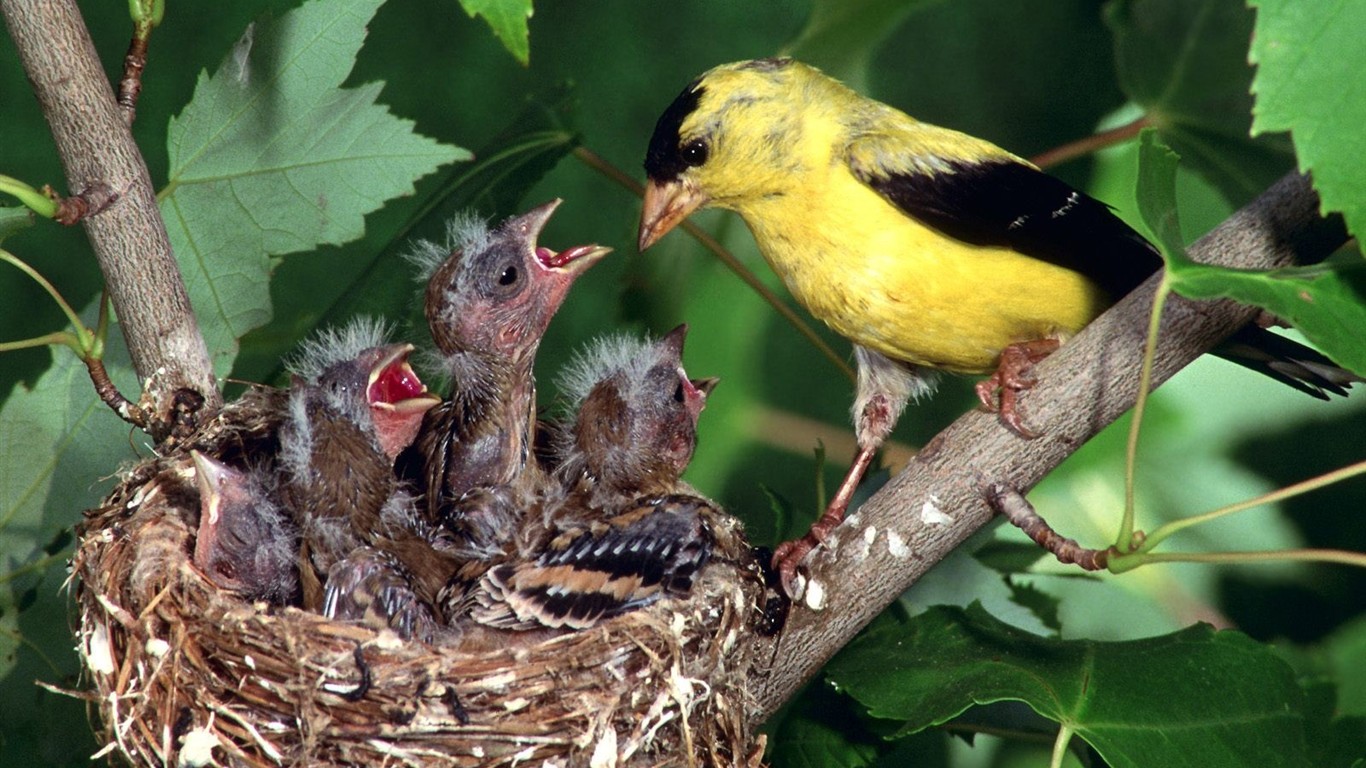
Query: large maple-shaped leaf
point(507, 19)
point(1195, 697)
point(1309, 61)
point(272, 156)
point(1185, 63)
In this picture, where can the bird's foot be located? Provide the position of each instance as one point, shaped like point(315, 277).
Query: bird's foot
point(790, 554)
point(1000, 392)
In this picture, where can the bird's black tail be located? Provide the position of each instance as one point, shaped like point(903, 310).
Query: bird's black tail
point(1287, 361)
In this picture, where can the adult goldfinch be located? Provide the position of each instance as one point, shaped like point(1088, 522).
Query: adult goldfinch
point(927, 248)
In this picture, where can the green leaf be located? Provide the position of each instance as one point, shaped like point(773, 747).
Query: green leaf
point(378, 282)
point(1195, 697)
point(272, 157)
point(1157, 166)
point(1007, 557)
point(1324, 301)
point(1185, 63)
point(1038, 602)
point(841, 36)
point(508, 20)
point(822, 729)
point(14, 220)
point(54, 438)
point(1309, 61)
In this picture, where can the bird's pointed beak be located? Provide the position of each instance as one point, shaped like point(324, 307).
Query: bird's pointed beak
point(530, 224)
point(673, 341)
point(705, 386)
point(571, 260)
point(210, 475)
point(666, 204)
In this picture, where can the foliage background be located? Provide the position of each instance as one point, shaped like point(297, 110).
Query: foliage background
point(1029, 75)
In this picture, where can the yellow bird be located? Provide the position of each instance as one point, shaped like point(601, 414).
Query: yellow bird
point(929, 249)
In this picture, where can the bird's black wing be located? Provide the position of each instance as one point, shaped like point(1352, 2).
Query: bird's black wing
point(596, 572)
point(1001, 201)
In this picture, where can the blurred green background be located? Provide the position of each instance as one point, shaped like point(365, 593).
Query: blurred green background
point(1029, 75)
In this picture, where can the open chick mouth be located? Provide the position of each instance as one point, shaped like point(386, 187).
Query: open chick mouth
point(573, 259)
point(393, 384)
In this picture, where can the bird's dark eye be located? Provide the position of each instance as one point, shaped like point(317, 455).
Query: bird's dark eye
point(678, 393)
point(694, 152)
point(508, 277)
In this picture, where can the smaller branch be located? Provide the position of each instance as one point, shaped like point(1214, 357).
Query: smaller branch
point(1088, 144)
point(84, 204)
point(599, 164)
point(125, 409)
point(134, 62)
point(146, 15)
point(129, 237)
point(1016, 508)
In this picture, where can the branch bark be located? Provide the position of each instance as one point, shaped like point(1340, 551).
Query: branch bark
point(129, 237)
point(1083, 387)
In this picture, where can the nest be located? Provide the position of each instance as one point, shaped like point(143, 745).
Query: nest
point(186, 674)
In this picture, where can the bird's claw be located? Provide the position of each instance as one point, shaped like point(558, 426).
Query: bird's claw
point(999, 393)
point(787, 557)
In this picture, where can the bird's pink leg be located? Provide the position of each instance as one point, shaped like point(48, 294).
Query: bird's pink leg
point(790, 554)
point(1010, 379)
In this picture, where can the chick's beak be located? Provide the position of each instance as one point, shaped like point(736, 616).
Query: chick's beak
point(666, 204)
point(528, 226)
point(392, 383)
point(210, 476)
point(571, 260)
point(706, 386)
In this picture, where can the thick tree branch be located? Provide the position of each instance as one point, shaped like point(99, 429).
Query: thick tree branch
point(1087, 384)
point(129, 237)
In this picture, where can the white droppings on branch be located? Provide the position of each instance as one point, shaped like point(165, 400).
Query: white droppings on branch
point(896, 546)
point(931, 514)
point(815, 596)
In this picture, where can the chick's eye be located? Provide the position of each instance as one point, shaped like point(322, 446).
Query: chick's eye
point(694, 152)
point(678, 393)
point(508, 276)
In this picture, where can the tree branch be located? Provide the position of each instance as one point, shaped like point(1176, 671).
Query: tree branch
point(1086, 385)
point(129, 237)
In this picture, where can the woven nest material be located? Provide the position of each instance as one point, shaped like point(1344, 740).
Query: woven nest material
point(186, 674)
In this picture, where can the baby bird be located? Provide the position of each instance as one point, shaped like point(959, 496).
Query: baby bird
point(635, 427)
point(488, 302)
point(354, 406)
point(929, 249)
point(593, 572)
point(246, 543)
point(628, 531)
point(373, 586)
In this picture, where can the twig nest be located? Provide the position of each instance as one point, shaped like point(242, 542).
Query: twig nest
point(188, 675)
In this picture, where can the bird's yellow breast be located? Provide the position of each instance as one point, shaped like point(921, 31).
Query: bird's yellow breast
point(890, 283)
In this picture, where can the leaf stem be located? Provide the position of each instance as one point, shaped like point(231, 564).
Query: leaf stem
point(1089, 144)
point(32, 199)
point(1304, 486)
point(1124, 540)
point(1120, 564)
point(82, 334)
point(601, 165)
point(1060, 746)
